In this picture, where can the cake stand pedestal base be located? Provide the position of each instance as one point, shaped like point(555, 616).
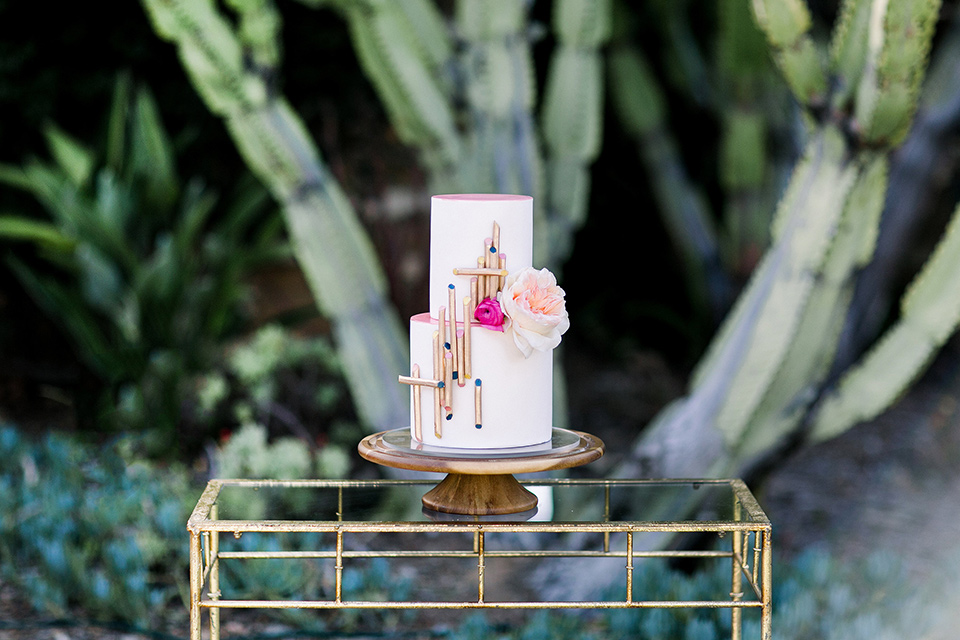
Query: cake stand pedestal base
point(492, 495)
point(479, 483)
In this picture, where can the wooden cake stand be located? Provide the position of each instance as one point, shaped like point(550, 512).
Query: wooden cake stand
point(480, 482)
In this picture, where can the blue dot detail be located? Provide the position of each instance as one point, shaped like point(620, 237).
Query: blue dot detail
point(450, 286)
point(493, 249)
point(441, 385)
point(479, 426)
point(449, 416)
point(478, 382)
point(454, 375)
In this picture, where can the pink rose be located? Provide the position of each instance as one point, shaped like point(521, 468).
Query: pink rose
point(536, 308)
point(489, 314)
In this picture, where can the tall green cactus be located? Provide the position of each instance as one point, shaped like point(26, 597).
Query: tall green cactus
point(767, 366)
point(640, 105)
point(333, 250)
point(497, 145)
point(740, 87)
point(408, 52)
point(929, 315)
point(572, 119)
point(496, 68)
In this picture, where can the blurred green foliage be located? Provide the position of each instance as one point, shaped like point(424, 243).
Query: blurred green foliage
point(91, 527)
point(278, 384)
point(98, 528)
point(816, 596)
point(143, 270)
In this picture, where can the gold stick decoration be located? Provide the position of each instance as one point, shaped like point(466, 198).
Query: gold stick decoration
point(417, 420)
point(462, 380)
point(480, 271)
point(481, 276)
point(438, 391)
point(467, 324)
point(503, 271)
point(476, 403)
point(474, 299)
point(491, 261)
point(448, 383)
point(420, 382)
point(442, 324)
point(454, 346)
point(496, 236)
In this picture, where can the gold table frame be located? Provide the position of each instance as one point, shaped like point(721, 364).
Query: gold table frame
point(205, 528)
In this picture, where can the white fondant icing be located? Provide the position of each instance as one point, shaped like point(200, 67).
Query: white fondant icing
point(517, 392)
point(458, 226)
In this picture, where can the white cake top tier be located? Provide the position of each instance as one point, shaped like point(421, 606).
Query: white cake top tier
point(460, 223)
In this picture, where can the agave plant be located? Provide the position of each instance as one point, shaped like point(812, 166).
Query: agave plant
point(142, 270)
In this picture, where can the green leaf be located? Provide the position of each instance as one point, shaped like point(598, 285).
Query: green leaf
point(198, 203)
point(65, 306)
point(152, 152)
point(489, 19)
point(30, 230)
point(117, 124)
point(75, 159)
point(15, 177)
point(100, 281)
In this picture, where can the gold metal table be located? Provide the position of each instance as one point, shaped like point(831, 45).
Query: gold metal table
point(610, 522)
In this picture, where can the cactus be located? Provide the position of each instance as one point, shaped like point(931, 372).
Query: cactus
point(496, 68)
point(334, 252)
point(638, 101)
point(899, 36)
point(497, 147)
point(759, 380)
point(572, 119)
point(408, 79)
point(740, 88)
point(786, 24)
point(929, 314)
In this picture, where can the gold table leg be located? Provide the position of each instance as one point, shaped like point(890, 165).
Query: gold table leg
point(196, 573)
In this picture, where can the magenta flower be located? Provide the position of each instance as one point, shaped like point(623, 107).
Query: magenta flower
point(490, 315)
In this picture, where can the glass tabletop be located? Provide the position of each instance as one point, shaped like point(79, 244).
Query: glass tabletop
point(560, 501)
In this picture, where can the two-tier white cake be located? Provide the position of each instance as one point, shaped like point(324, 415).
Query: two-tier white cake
point(481, 358)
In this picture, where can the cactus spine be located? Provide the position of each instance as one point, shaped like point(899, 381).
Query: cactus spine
point(331, 246)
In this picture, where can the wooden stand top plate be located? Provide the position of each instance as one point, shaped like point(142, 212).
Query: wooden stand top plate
point(396, 449)
point(479, 481)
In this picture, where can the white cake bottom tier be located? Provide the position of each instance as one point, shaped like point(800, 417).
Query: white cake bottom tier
point(516, 392)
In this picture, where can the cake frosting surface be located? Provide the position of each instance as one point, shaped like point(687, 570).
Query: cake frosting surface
point(481, 357)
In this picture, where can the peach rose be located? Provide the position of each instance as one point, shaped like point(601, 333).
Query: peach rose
point(535, 305)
